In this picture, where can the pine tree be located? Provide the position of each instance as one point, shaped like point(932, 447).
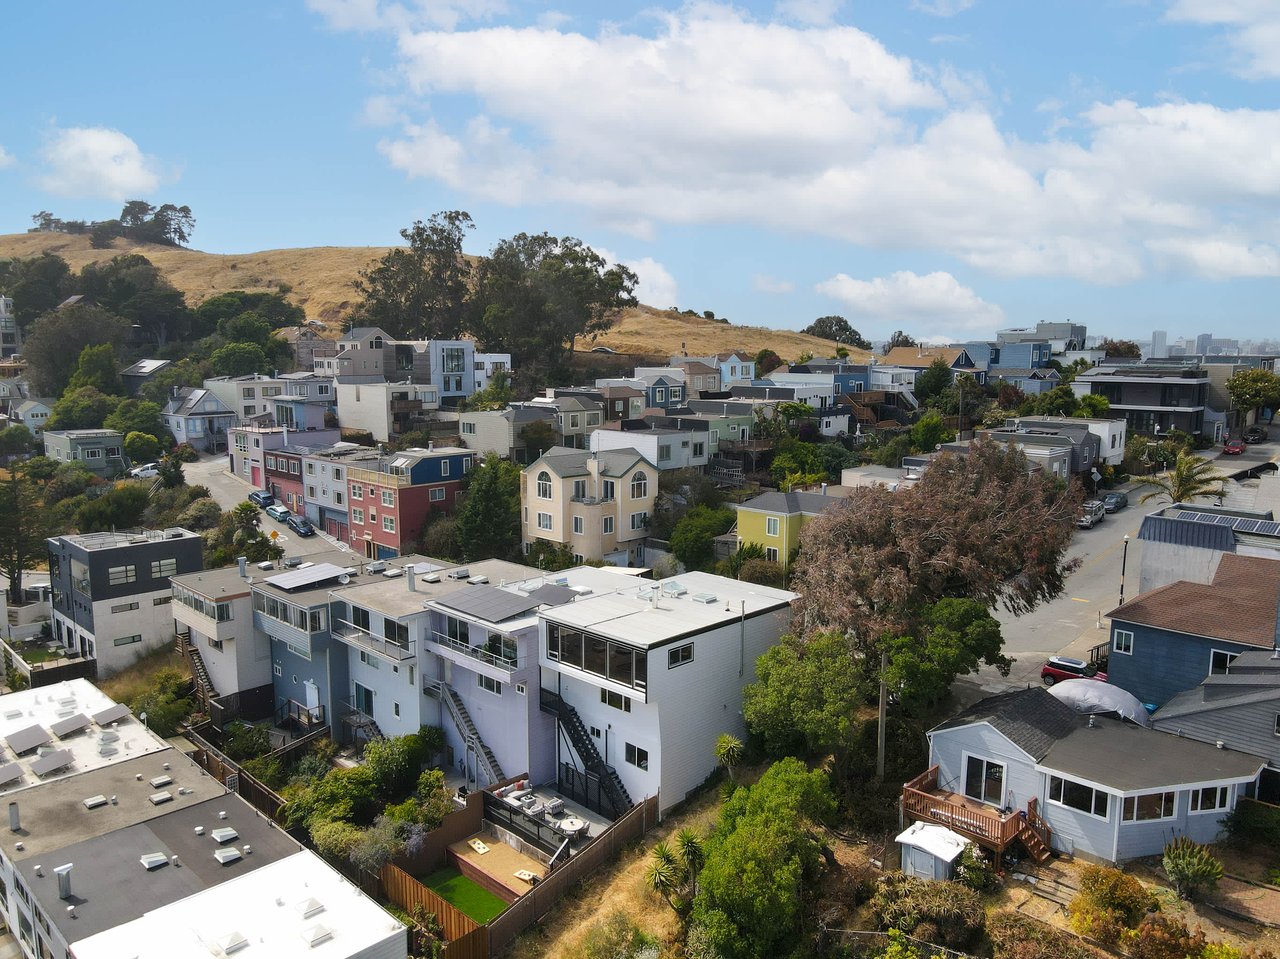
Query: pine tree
point(489, 519)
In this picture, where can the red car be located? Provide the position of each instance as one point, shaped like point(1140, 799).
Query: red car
point(1059, 668)
point(1233, 447)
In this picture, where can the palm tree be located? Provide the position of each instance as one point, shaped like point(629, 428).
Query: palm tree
point(728, 752)
point(673, 874)
point(1192, 477)
point(664, 874)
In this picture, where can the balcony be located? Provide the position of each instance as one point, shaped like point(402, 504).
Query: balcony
point(591, 500)
point(360, 638)
point(293, 714)
point(922, 800)
point(481, 653)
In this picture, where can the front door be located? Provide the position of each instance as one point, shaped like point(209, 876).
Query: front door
point(364, 700)
point(311, 695)
point(370, 549)
point(257, 477)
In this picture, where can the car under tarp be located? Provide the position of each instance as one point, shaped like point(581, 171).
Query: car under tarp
point(1094, 698)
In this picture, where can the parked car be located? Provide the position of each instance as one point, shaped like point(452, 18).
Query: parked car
point(1255, 434)
point(1233, 447)
point(603, 349)
point(1092, 512)
point(300, 525)
point(145, 471)
point(261, 497)
point(1058, 668)
point(1115, 500)
point(278, 513)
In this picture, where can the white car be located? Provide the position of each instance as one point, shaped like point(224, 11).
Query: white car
point(145, 471)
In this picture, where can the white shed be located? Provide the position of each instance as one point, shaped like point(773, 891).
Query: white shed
point(929, 851)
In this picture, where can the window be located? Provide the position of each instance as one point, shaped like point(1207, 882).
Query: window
point(1210, 799)
point(595, 731)
point(772, 526)
point(522, 689)
point(1278, 724)
point(250, 393)
point(397, 633)
point(337, 499)
point(357, 515)
point(637, 757)
point(1219, 660)
point(984, 780)
point(124, 607)
point(771, 553)
point(454, 359)
point(337, 473)
point(388, 498)
point(1123, 642)
point(616, 700)
point(468, 429)
point(215, 643)
point(1076, 795)
point(436, 493)
point(578, 525)
point(162, 601)
point(120, 575)
point(1149, 806)
point(544, 521)
point(95, 454)
point(271, 462)
point(311, 492)
point(311, 469)
point(544, 485)
point(607, 488)
point(127, 640)
point(680, 655)
point(276, 670)
point(491, 685)
point(357, 491)
point(164, 567)
point(639, 485)
point(699, 449)
point(659, 396)
point(639, 520)
point(608, 524)
point(395, 709)
point(389, 524)
point(580, 489)
point(295, 467)
point(370, 660)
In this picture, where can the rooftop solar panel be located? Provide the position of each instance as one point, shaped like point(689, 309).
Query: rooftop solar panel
point(9, 772)
point(301, 578)
point(24, 740)
point(112, 714)
point(1247, 526)
point(64, 727)
point(489, 603)
point(50, 761)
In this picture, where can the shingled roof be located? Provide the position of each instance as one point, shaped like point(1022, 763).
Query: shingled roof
point(1030, 718)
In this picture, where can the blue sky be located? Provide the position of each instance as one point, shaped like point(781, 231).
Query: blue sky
point(946, 167)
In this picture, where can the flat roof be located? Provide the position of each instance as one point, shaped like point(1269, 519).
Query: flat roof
point(216, 584)
point(392, 596)
point(110, 885)
point(277, 908)
point(636, 616)
point(115, 539)
point(90, 747)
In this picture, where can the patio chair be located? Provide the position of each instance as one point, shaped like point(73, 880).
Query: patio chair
point(555, 806)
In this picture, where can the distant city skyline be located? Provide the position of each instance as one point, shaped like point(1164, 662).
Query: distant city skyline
point(943, 167)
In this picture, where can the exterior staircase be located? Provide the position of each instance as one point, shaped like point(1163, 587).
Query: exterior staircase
point(470, 735)
point(585, 746)
point(1034, 834)
point(204, 684)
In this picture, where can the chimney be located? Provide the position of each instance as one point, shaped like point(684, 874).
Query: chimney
point(15, 824)
point(243, 563)
point(410, 578)
point(64, 880)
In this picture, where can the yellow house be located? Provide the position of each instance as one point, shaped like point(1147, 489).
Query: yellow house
point(774, 521)
point(597, 504)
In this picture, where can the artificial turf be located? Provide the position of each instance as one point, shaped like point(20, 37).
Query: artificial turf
point(473, 899)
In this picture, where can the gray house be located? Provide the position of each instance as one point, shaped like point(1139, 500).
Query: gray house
point(1024, 769)
point(502, 431)
point(101, 451)
point(198, 417)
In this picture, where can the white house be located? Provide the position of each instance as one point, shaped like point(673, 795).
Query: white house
point(487, 364)
point(385, 409)
point(666, 447)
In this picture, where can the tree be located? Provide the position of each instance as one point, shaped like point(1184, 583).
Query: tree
point(23, 529)
point(159, 388)
point(246, 328)
point(898, 339)
point(1253, 390)
point(495, 396)
point(238, 359)
point(930, 431)
point(978, 526)
point(84, 409)
point(169, 472)
point(837, 328)
point(767, 361)
point(119, 508)
point(1120, 349)
point(932, 380)
point(763, 572)
point(99, 368)
point(488, 521)
point(141, 447)
point(272, 307)
point(1191, 866)
point(693, 539)
point(1191, 478)
point(673, 873)
point(420, 292)
point(728, 752)
point(552, 557)
point(54, 344)
point(538, 437)
point(37, 286)
point(954, 637)
point(136, 416)
point(16, 440)
point(1092, 405)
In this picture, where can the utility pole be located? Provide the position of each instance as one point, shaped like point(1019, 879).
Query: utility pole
point(884, 709)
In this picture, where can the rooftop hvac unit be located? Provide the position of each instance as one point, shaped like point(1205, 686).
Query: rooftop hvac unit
point(393, 572)
point(266, 564)
point(153, 860)
point(461, 573)
point(292, 561)
point(431, 578)
point(376, 567)
point(478, 580)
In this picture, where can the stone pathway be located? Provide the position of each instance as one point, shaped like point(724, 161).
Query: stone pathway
point(1258, 903)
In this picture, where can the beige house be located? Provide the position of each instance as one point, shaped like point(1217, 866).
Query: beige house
point(597, 504)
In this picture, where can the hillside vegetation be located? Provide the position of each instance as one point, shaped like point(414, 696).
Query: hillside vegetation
point(319, 280)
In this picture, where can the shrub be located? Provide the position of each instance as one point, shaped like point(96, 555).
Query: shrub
point(267, 771)
point(310, 768)
point(1015, 936)
point(185, 453)
point(943, 913)
point(974, 870)
point(1096, 922)
point(1114, 891)
point(1162, 937)
point(617, 937)
point(335, 839)
point(346, 795)
point(396, 763)
point(163, 703)
point(1254, 823)
point(241, 741)
point(1191, 867)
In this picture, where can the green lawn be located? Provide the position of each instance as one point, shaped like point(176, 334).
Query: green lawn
point(473, 899)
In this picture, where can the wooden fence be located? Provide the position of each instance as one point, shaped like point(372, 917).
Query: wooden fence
point(257, 794)
point(544, 896)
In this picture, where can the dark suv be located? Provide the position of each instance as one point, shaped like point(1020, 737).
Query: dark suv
point(261, 497)
point(1058, 668)
point(300, 525)
point(1255, 434)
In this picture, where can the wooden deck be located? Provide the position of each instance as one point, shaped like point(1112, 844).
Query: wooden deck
point(923, 800)
point(499, 865)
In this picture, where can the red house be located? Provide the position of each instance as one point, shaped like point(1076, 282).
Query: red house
point(284, 477)
point(390, 498)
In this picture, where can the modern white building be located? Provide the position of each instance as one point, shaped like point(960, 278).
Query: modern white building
point(666, 447)
point(487, 364)
point(254, 395)
point(386, 409)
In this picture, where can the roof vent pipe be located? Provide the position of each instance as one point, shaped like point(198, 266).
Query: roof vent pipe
point(411, 578)
point(15, 824)
point(243, 563)
point(64, 881)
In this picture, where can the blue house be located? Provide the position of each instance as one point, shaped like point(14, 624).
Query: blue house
point(1028, 355)
point(198, 417)
point(1031, 380)
point(1169, 639)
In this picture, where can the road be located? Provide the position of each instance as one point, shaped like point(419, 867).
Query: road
point(229, 491)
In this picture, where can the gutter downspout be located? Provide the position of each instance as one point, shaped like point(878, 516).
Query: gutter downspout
point(742, 640)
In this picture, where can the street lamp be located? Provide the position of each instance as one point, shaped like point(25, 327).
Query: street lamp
point(1124, 561)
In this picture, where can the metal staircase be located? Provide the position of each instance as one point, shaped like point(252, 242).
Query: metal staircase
point(204, 684)
point(470, 735)
point(585, 747)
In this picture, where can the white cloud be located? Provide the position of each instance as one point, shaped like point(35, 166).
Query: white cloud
point(655, 286)
point(820, 130)
point(1218, 257)
point(771, 284)
point(382, 111)
point(97, 162)
point(941, 8)
point(367, 15)
point(1253, 30)
point(6, 158)
point(815, 12)
point(935, 304)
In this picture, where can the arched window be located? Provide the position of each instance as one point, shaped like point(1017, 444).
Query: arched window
point(544, 485)
point(377, 342)
point(639, 485)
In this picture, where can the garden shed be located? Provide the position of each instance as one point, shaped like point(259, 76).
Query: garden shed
point(929, 851)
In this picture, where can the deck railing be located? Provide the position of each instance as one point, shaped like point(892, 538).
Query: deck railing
point(920, 801)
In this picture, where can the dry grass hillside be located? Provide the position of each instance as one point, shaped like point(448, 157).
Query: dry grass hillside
point(319, 280)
